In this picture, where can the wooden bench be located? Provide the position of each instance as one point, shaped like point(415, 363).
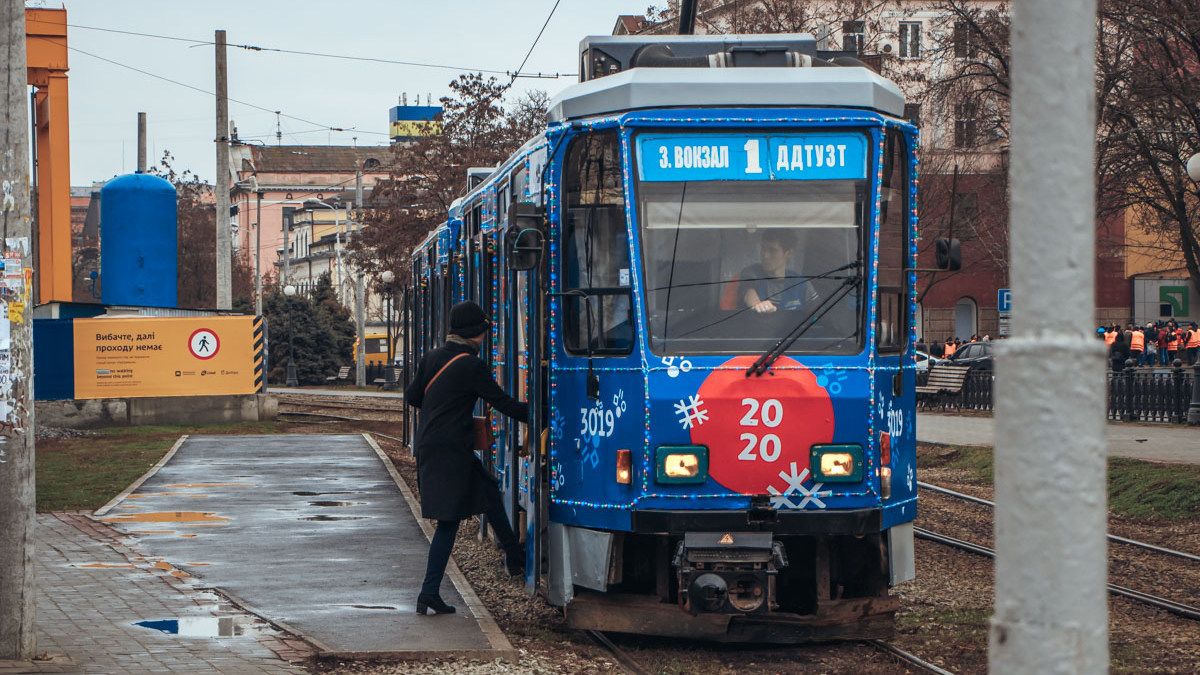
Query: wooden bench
point(945, 381)
point(343, 375)
point(390, 379)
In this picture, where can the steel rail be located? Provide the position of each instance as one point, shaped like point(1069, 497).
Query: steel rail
point(1112, 537)
point(314, 402)
point(627, 662)
point(908, 657)
point(1178, 608)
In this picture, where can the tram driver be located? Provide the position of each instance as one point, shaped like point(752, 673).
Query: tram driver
point(773, 284)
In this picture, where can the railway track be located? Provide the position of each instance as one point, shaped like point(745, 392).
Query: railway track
point(622, 657)
point(908, 658)
point(326, 402)
point(1166, 604)
point(1112, 537)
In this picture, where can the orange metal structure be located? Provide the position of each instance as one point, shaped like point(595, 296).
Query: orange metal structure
point(46, 53)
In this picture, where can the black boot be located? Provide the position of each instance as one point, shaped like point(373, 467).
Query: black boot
point(439, 606)
point(514, 560)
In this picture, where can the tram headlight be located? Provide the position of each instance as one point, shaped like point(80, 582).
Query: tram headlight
point(837, 463)
point(682, 464)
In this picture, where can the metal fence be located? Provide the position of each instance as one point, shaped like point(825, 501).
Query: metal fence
point(1134, 395)
point(1149, 395)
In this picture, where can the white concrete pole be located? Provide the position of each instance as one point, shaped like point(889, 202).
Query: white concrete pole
point(141, 165)
point(17, 637)
point(1051, 567)
point(221, 181)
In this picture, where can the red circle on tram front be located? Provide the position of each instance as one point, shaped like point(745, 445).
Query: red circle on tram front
point(759, 426)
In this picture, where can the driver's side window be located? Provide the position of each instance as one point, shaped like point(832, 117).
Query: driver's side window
point(598, 316)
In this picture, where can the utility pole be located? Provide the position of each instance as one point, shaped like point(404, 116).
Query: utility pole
point(141, 167)
point(258, 193)
point(360, 293)
point(17, 640)
point(224, 239)
point(1051, 613)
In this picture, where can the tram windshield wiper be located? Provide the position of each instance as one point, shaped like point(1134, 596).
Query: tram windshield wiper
point(764, 362)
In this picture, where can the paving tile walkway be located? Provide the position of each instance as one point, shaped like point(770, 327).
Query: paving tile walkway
point(1175, 444)
point(92, 588)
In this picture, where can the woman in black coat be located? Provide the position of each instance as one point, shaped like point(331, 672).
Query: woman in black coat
point(453, 483)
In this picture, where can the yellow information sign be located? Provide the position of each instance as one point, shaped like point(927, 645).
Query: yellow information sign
point(177, 356)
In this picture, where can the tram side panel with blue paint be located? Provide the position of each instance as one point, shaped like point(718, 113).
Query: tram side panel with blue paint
point(718, 343)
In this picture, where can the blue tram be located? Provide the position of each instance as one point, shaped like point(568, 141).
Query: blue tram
point(701, 277)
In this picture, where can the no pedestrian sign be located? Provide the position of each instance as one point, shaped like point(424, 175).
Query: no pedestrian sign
point(204, 344)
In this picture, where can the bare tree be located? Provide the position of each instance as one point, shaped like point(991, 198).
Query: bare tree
point(429, 174)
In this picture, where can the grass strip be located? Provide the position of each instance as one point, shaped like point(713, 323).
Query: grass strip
point(84, 472)
point(1136, 489)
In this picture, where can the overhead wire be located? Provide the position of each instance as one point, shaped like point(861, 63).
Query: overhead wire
point(147, 73)
point(327, 55)
point(516, 73)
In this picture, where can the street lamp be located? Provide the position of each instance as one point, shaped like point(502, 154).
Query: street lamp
point(292, 380)
point(388, 277)
point(1193, 416)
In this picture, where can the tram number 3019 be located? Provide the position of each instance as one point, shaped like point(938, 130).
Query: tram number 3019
point(768, 446)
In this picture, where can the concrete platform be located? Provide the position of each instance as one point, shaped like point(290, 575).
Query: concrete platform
point(313, 532)
point(1153, 443)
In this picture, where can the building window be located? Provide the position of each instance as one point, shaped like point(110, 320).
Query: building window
point(912, 113)
point(965, 319)
point(964, 40)
point(965, 125)
point(854, 36)
point(910, 39)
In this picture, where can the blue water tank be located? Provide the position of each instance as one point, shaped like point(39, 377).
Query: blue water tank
point(138, 241)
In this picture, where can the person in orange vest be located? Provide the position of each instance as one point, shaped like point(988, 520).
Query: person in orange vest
point(1109, 335)
point(1193, 343)
point(1137, 345)
point(950, 347)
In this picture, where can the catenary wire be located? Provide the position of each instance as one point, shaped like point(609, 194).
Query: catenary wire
point(231, 99)
point(327, 55)
point(516, 73)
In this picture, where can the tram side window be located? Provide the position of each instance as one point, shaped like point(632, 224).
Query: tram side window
point(890, 330)
point(595, 251)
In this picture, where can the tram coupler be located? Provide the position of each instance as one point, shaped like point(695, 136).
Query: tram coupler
point(728, 572)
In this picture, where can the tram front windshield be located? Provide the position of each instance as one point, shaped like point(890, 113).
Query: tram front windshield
point(733, 266)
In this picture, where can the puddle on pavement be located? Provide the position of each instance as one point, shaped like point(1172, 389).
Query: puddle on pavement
point(168, 517)
point(324, 519)
point(197, 626)
point(306, 493)
point(207, 485)
point(101, 566)
point(329, 503)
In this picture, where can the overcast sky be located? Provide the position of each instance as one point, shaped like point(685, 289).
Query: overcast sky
point(472, 34)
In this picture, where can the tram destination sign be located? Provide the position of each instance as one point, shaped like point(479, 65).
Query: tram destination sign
point(703, 157)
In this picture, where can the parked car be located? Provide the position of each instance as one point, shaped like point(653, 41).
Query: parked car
point(976, 355)
point(926, 361)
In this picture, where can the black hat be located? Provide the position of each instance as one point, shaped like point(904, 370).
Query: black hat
point(467, 320)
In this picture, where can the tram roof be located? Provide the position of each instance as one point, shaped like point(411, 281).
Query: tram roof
point(642, 88)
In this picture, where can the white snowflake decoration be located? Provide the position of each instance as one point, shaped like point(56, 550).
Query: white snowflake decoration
point(691, 412)
point(795, 489)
